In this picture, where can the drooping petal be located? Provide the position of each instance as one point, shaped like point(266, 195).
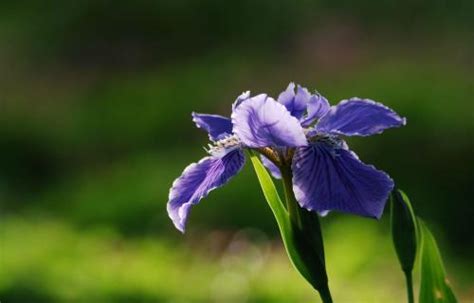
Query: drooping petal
point(295, 103)
point(197, 180)
point(243, 96)
point(216, 126)
point(317, 107)
point(261, 121)
point(359, 117)
point(332, 178)
point(274, 170)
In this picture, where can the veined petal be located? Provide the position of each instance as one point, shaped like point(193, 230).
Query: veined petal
point(317, 107)
point(216, 126)
point(274, 170)
point(295, 103)
point(197, 180)
point(331, 178)
point(359, 117)
point(261, 122)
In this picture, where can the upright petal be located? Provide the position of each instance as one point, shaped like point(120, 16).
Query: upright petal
point(317, 107)
point(295, 103)
point(261, 121)
point(287, 96)
point(359, 117)
point(331, 178)
point(197, 180)
point(274, 170)
point(216, 126)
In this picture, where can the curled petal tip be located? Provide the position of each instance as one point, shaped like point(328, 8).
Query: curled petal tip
point(215, 125)
point(241, 98)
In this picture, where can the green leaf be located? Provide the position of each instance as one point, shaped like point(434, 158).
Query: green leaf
point(279, 211)
point(271, 194)
point(303, 253)
point(404, 234)
point(434, 286)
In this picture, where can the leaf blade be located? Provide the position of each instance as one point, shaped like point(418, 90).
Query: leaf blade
point(281, 215)
point(270, 192)
point(434, 286)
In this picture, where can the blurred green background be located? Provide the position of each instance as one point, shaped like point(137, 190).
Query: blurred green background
point(95, 104)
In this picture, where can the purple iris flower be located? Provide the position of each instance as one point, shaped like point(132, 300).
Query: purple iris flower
point(326, 174)
point(301, 131)
point(257, 122)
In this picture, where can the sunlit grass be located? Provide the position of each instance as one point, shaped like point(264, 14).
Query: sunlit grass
point(48, 260)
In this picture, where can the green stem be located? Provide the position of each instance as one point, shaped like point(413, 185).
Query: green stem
point(291, 204)
point(409, 282)
point(325, 294)
point(308, 228)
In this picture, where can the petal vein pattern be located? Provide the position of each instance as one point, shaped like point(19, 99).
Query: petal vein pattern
point(197, 180)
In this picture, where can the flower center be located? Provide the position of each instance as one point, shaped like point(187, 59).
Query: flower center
point(224, 146)
point(333, 141)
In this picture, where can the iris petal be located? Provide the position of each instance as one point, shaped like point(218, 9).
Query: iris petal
point(287, 96)
point(261, 122)
point(317, 107)
point(359, 117)
point(331, 178)
point(300, 102)
point(197, 180)
point(274, 170)
point(216, 126)
point(295, 103)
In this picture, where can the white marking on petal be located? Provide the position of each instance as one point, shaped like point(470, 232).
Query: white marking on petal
point(224, 146)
